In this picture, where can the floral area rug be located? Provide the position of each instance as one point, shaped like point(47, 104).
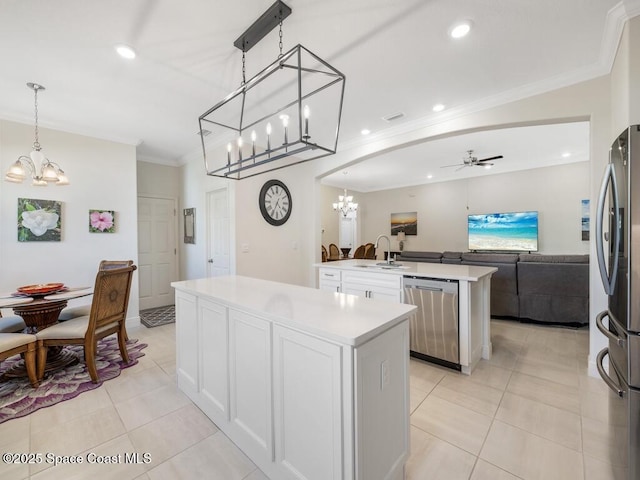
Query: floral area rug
point(18, 398)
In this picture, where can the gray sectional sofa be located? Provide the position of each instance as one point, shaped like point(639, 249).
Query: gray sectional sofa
point(543, 288)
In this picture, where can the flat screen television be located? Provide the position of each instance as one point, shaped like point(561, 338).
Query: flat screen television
point(509, 232)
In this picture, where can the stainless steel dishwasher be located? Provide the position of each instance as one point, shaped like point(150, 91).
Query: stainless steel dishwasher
point(433, 328)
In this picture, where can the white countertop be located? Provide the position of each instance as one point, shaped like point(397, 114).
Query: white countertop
point(471, 273)
point(343, 318)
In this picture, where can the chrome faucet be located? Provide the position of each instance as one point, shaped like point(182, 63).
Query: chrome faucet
point(388, 247)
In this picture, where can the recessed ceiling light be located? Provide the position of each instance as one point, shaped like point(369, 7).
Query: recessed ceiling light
point(365, 131)
point(429, 176)
point(566, 155)
point(460, 30)
point(487, 167)
point(125, 51)
point(438, 107)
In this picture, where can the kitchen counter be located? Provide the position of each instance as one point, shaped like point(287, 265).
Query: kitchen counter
point(375, 280)
point(471, 273)
point(296, 377)
point(306, 309)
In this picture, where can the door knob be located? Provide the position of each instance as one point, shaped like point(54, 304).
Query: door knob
point(210, 260)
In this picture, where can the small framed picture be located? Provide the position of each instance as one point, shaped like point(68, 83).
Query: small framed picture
point(102, 221)
point(189, 225)
point(39, 220)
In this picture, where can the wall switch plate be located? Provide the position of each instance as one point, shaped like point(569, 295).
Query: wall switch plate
point(245, 248)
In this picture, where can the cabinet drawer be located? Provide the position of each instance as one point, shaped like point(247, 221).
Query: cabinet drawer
point(330, 274)
point(373, 279)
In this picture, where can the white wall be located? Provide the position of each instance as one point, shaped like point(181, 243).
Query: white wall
point(102, 175)
point(555, 192)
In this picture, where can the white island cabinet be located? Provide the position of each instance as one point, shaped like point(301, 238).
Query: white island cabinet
point(372, 279)
point(308, 384)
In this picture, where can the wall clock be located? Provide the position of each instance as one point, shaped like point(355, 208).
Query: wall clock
point(275, 202)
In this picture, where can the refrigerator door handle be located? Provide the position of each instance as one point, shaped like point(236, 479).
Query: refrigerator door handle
point(608, 281)
point(607, 379)
point(620, 341)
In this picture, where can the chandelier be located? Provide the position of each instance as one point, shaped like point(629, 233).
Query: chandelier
point(287, 114)
point(43, 171)
point(345, 204)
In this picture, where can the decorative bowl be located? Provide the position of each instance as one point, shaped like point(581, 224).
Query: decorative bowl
point(40, 289)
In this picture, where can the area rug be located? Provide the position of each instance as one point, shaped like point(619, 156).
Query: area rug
point(18, 398)
point(154, 317)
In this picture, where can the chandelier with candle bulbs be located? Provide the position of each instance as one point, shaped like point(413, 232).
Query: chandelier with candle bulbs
point(42, 170)
point(345, 204)
point(287, 114)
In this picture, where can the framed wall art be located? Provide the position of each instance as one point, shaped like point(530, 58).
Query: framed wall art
point(102, 221)
point(39, 220)
point(189, 225)
point(406, 222)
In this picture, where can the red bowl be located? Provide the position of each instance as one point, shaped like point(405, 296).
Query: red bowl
point(40, 288)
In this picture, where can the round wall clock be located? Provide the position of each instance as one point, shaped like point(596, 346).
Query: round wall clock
point(275, 202)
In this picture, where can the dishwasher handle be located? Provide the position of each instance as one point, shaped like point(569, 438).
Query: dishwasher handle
point(430, 289)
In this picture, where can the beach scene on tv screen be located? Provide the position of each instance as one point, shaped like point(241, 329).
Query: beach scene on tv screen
point(517, 231)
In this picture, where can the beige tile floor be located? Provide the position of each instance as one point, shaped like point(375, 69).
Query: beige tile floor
point(531, 413)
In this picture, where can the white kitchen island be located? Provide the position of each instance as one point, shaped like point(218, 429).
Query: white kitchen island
point(370, 279)
point(307, 383)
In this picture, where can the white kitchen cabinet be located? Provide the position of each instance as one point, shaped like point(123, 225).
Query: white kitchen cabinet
point(250, 384)
point(302, 406)
point(187, 361)
point(296, 378)
point(213, 331)
point(329, 279)
point(378, 286)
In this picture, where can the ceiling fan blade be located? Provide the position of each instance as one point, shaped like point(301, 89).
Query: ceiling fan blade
point(482, 164)
point(454, 165)
point(463, 165)
point(490, 158)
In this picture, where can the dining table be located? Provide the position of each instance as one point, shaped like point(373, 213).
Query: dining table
point(39, 311)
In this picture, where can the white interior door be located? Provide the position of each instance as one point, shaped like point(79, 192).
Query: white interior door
point(348, 231)
point(218, 227)
point(156, 251)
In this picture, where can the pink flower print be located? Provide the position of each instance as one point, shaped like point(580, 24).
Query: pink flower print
point(101, 220)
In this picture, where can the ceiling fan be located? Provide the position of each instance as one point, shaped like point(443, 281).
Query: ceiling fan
point(471, 161)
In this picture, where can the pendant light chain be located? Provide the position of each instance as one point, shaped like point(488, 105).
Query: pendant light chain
point(36, 143)
point(280, 35)
point(244, 68)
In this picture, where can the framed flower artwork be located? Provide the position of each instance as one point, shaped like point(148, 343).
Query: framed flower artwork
point(102, 221)
point(39, 220)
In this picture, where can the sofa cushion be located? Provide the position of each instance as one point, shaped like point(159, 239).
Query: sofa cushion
point(490, 257)
point(425, 257)
point(537, 258)
point(421, 254)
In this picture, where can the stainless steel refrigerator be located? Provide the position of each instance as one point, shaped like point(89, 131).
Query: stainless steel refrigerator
point(618, 251)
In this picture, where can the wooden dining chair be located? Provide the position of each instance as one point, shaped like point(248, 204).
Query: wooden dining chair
point(359, 253)
point(81, 310)
point(370, 251)
point(107, 316)
point(334, 252)
point(21, 343)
